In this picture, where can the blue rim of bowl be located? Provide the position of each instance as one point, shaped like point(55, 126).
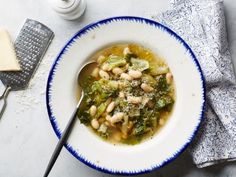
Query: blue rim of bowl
point(82, 32)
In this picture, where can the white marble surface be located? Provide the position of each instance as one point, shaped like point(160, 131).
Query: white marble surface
point(26, 136)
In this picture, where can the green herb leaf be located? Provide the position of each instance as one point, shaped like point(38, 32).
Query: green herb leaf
point(84, 117)
point(164, 101)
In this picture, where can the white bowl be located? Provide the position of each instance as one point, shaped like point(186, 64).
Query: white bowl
point(173, 137)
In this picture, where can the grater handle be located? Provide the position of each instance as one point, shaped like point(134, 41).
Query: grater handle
point(4, 98)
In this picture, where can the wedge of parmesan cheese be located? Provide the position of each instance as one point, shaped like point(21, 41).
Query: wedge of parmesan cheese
point(8, 59)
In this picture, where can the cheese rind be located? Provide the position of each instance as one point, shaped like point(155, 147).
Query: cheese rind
point(8, 59)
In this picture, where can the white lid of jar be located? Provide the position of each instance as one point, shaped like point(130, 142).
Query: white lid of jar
point(65, 6)
point(72, 15)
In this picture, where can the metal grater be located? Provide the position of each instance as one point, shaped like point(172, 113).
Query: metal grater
point(30, 46)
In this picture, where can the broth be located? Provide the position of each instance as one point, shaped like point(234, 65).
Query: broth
point(130, 96)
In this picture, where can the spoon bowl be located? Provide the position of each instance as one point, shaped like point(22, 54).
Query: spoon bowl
point(85, 71)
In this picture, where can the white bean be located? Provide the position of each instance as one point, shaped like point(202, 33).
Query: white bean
point(110, 107)
point(101, 59)
point(146, 87)
point(106, 67)
point(117, 117)
point(93, 110)
point(94, 123)
point(135, 74)
point(126, 76)
point(95, 72)
point(169, 77)
point(108, 117)
point(117, 71)
point(126, 51)
point(104, 74)
point(134, 100)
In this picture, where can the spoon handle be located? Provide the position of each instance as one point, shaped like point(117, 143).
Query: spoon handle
point(62, 140)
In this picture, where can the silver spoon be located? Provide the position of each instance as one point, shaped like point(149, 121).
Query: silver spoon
point(84, 71)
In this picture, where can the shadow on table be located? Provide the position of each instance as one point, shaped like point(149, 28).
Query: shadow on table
point(184, 167)
point(180, 167)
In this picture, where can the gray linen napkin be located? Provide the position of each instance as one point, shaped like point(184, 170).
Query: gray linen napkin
point(201, 23)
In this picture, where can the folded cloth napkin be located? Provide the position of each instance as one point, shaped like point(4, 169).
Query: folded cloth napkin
point(201, 23)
